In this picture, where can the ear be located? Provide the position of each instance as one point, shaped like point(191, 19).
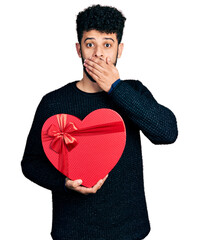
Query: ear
point(120, 49)
point(78, 48)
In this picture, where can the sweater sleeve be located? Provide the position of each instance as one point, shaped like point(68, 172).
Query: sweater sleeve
point(35, 165)
point(157, 122)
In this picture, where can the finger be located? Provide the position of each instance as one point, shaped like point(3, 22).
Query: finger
point(93, 67)
point(73, 184)
point(84, 190)
point(93, 75)
point(96, 63)
point(105, 177)
point(94, 189)
point(98, 185)
point(101, 182)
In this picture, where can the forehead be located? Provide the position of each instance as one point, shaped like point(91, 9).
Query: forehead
point(98, 35)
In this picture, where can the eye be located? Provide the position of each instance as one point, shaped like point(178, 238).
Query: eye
point(89, 45)
point(107, 45)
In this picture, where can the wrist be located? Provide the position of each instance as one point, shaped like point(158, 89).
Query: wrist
point(114, 85)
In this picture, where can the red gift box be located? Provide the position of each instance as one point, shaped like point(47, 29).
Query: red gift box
point(85, 149)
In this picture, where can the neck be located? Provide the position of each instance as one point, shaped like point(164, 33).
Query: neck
point(86, 85)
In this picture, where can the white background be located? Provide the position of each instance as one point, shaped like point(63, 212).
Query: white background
point(37, 55)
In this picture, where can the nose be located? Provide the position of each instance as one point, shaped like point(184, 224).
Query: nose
point(98, 52)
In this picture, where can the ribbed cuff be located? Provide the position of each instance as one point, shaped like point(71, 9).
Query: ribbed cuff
point(114, 85)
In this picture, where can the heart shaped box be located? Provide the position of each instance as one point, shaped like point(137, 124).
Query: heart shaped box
point(85, 149)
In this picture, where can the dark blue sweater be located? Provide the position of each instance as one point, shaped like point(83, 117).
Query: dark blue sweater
point(118, 210)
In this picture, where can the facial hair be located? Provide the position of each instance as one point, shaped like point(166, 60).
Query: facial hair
point(87, 74)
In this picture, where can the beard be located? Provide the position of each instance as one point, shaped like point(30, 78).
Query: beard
point(87, 74)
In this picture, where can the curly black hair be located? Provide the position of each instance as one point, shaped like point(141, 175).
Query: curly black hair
point(101, 18)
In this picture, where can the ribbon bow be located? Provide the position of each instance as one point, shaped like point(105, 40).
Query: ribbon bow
point(61, 136)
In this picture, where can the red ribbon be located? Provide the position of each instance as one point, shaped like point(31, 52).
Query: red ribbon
point(63, 139)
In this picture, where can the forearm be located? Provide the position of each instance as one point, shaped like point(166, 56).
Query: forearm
point(35, 165)
point(157, 122)
point(43, 173)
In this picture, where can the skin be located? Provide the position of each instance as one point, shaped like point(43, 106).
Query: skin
point(76, 186)
point(100, 52)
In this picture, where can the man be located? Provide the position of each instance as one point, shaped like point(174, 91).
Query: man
point(115, 208)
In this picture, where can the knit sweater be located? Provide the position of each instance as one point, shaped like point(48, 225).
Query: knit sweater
point(118, 210)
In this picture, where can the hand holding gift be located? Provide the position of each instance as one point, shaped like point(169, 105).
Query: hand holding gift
point(75, 185)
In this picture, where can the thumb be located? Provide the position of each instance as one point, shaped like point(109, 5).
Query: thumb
point(76, 183)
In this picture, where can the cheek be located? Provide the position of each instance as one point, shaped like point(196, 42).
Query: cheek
point(112, 53)
point(113, 57)
point(86, 53)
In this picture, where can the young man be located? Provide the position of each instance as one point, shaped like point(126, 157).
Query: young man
point(115, 208)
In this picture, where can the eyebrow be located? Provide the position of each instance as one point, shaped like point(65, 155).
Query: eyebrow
point(91, 38)
point(110, 39)
point(88, 39)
